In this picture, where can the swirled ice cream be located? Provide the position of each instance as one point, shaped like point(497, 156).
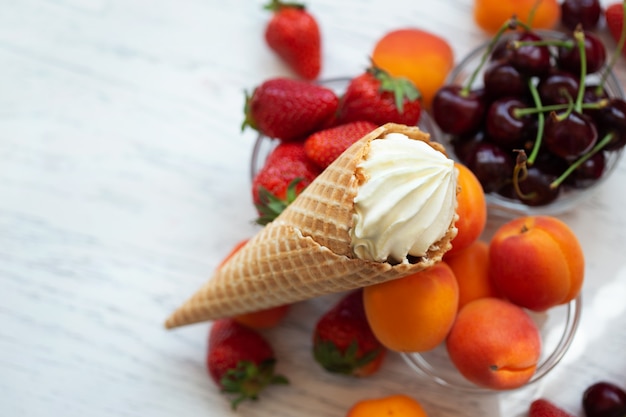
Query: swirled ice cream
point(406, 202)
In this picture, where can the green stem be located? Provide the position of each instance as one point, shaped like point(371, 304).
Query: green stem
point(579, 35)
point(601, 144)
point(556, 107)
point(540, 123)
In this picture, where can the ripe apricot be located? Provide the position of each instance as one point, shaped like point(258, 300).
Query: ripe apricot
point(471, 208)
point(261, 319)
point(536, 262)
point(398, 405)
point(413, 313)
point(490, 15)
point(421, 56)
point(495, 344)
point(471, 269)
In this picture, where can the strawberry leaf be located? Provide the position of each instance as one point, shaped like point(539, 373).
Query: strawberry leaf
point(346, 362)
point(248, 379)
point(401, 88)
point(270, 206)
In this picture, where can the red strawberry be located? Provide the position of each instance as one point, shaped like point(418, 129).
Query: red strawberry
point(343, 341)
point(240, 360)
point(286, 172)
point(614, 15)
point(289, 109)
point(379, 98)
point(293, 33)
point(324, 146)
point(544, 408)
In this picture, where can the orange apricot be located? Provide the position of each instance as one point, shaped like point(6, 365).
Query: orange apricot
point(421, 56)
point(413, 313)
point(471, 269)
point(490, 15)
point(536, 262)
point(398, 405)
point(495, 344)
point(471, 208)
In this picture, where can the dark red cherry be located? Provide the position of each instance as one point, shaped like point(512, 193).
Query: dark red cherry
point(569, 136)
point(595, 53)
point(463, 146)
point(531, 59)
point(589, 171)
point(604, 399)
point(502, 124)
point(584, 12)
point(491, 164)
point(535, 188)
point(457, 112)
point(558, 87)
point(612, 119)
point(502, 79)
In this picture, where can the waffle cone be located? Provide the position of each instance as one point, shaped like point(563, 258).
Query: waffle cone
point(306, 251)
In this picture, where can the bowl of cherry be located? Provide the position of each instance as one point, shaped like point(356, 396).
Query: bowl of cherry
point(538, 116)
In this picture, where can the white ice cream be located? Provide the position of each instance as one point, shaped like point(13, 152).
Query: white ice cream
point(407, 201)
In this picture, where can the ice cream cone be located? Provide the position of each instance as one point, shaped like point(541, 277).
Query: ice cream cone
point(307, 251)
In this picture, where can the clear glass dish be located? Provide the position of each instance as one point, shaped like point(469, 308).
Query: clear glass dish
point(264, 145)
point(568, 197)
point(557, 326)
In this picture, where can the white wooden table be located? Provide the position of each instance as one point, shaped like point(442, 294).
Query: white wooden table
point(124, 179)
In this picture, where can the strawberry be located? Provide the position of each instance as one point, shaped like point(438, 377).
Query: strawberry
point(614, 15)
point(288, 109)
point(343, 341)
point(286, 172)
point(293, 33)
point(324, 146)
point(544, 408)
point(240, 360)
point(378, 97)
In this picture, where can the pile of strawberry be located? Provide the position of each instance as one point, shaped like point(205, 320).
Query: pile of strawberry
point(312, 125)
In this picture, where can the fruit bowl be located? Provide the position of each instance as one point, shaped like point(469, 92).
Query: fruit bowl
point(503, 202)
point(264, 145)
point(557, 326)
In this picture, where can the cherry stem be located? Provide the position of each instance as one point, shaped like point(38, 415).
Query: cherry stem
point(579, 35)
point(520, 171)
point(511, 23)
point(601, 144)
point(541, 119)
point(556, 107)
point(545, 42)
point(616, 52)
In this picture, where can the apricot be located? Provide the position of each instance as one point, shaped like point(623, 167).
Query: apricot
point(494, 344)
point(536, 262)
point(471, 269)
point(471, 208)
point(490, 15)
point(423, 57)
point(398, 405)
point(413, 313)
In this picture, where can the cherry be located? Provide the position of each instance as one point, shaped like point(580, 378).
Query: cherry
point(531, 59)
point(464, 145)
point(589, 171)
point(491, 164)
point(569, 135)
point(595, 53)
point(584, 12)
point(503, 126)
point(535, 188)
point(501, 79)
point(612, 119)
point(558, 87)
point(604, 399)
point(458, 111)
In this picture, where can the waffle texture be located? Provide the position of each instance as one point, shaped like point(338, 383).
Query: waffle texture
point(306, 252)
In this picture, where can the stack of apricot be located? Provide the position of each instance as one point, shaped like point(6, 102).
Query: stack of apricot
point(477, 301)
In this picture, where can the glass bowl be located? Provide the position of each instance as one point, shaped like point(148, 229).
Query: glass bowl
point(264, 145)
point(557, 326)
point(569, 197)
